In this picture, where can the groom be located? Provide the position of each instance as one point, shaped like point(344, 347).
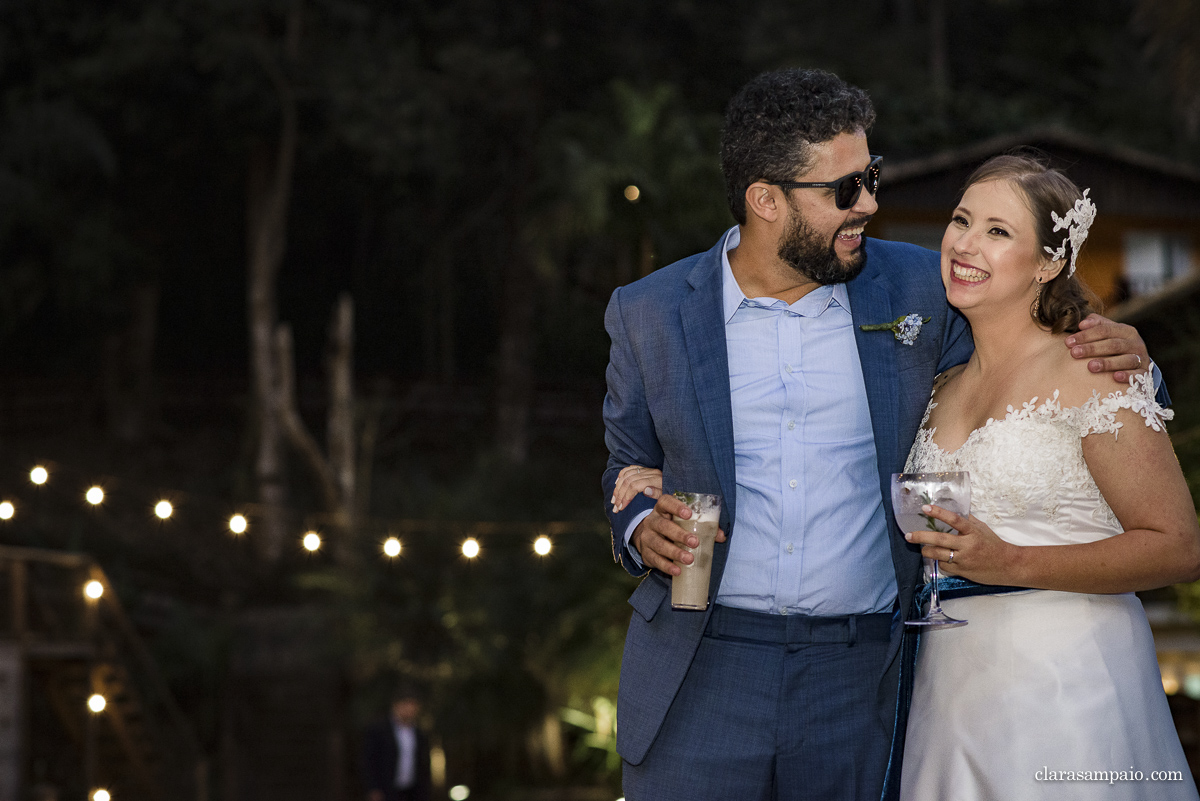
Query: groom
point(745, 371)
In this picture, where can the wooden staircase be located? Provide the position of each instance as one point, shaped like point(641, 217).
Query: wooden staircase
point(58, 648)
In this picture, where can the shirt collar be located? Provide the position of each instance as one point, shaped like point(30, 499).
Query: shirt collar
point(811, 305)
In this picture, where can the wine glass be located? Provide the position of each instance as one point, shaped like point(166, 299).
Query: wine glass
point(950, 491)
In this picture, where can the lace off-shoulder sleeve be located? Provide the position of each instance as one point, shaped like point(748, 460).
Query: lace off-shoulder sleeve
point(1099, 414)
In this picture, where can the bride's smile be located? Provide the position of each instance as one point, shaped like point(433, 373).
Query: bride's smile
point(990, 253)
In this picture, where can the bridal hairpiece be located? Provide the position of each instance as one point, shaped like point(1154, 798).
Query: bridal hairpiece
point(1077, 221)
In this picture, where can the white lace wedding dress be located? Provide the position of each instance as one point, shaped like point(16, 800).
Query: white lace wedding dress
point(1039, 682)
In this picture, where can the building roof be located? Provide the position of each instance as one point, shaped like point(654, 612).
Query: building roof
point(1123, 180)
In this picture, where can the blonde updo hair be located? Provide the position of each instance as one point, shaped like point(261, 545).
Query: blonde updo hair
point(1065, 300)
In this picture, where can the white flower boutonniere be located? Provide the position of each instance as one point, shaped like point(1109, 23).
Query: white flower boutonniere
point(906, 327)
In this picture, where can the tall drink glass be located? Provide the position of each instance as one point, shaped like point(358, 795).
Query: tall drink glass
point(689, 590)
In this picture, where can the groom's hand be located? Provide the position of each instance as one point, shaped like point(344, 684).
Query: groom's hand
point(1111, 347)
point(658, 539)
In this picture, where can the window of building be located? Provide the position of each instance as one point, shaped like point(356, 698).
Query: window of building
point(1153, 258)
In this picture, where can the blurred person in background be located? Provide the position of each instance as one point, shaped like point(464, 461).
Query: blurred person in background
point(396, 763)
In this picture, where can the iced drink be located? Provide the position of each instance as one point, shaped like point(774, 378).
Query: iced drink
point(689, 590)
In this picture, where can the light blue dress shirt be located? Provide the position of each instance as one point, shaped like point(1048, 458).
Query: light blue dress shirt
point(810, 535)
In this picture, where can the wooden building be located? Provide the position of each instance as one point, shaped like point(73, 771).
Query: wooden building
point(1147, 229)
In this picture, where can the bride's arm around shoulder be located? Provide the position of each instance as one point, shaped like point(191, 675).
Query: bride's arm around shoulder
point(1129, 454)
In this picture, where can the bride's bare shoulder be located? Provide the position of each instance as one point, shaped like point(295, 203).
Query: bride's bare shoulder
point(1077, 384)
point(946, 376)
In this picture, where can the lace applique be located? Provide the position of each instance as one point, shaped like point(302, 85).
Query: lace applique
point(1027, 468)
point(1099, 415)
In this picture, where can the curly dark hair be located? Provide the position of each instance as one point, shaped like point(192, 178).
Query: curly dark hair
point(773, 121)
point(1065, 299)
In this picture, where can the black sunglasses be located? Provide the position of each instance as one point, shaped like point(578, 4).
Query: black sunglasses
point(845, 189)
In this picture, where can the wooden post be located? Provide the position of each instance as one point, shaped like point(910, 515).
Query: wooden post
point(19, 572)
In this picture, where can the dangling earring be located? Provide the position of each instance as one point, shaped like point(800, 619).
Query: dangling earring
point(1037, 301)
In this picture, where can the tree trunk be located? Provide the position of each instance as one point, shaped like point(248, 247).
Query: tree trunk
point(340, 428)
point(269, 188)
point(129, 366)
point(514, 379)
point(939, 58)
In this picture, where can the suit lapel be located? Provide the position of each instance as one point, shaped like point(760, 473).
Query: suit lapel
point(703, 321)
point(870, 303)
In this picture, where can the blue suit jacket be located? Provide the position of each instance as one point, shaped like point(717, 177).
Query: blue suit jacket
point(668, 406)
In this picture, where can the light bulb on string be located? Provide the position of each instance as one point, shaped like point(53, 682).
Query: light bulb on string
point(39, 475)
point(391, 547)
point(470, 548)
point(7, 510)
point(312, 541)
point(94, 496)
point(542, 545)
point(93, 590)
point(97, 703)
point(101, 795)
point(163, 509)
point(238, 524)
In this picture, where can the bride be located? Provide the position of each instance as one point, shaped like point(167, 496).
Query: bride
point(1076, 492)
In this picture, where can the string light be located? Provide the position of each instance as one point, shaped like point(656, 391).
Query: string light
point(93, 589)
point(238, 523)
point(459, 792)
point(101, 795)
point(632, 193)
point(97, 703)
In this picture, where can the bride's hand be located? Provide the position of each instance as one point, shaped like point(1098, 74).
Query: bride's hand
point(633, 480)
point(978, 554)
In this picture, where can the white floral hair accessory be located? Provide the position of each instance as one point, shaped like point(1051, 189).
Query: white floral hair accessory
point(1077, 221)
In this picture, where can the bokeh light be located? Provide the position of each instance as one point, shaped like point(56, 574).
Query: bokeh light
point(7, 510)
point(95, 496)
point(312, 541)
point(541, 546)
point(93, 589)
point(97, 703)
point(470, 549)
point(460, 792)
point(237, 524)
point(632, 193)
point(391, 547)
point(39, 475)
point(163, 509)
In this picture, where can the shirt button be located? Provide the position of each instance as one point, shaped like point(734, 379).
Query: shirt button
point(787, 367)
point(789, 547)
point(783, 610)
point(791, 425)
point(792, 483)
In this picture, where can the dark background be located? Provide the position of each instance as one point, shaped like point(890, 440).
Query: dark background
point(460, 169)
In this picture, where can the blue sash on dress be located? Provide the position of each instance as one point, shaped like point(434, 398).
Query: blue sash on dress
point(958, 587)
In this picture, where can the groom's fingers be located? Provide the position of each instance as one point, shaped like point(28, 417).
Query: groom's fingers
point(1111, 347)
point(658, 539)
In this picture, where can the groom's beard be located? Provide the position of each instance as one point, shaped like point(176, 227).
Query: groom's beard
point(803, 250)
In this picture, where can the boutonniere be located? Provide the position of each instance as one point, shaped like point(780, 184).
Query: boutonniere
point(905, 327)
